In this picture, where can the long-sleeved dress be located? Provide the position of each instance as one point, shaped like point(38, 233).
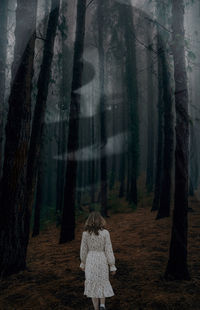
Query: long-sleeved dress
point(97, 258)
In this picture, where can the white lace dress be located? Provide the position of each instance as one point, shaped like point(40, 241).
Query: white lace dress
point(97, 258)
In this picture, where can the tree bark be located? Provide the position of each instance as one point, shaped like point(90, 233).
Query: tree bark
point(168, 142)
point(68, 216)
point(160, 105)
point(159, 157)
point(62, 128)
point(122, 168)
point(177, 263)
point(12, 208)
point(193, 180)
point(3, 46)
point(39, 115)
point(65, 59)
point(132, 94)
point(113, 158)
point(166, 183)
point(36, 223)
point(150, 120)
point(40, 190)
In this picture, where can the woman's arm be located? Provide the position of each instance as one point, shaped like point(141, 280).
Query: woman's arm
point(109, 252)
point(83, 250)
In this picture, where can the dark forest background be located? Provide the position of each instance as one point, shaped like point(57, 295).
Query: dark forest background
point(99, 110)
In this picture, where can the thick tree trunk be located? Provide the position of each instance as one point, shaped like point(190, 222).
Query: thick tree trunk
point(150, 120)
point(159, 157)
point(39, 191)
point(38, 202)
point(122, 174)
point(165, 197)
point(60, 165)
point(80, 185)
point(68, 217)
point(168, 142)
point(128, 178)
point(122, 168)
point(113, 158)
point(64, 105)
point(39, 114)
point(3, 45)
point(132, 95)
point(12, 208)
point(177, 264)
point(193, 180)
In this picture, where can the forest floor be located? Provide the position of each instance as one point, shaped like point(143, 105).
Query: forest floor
point(54, 280)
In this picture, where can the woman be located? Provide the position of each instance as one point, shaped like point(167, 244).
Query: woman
point(97, 256)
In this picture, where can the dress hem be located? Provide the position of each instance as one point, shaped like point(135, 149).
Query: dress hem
point(89, 296)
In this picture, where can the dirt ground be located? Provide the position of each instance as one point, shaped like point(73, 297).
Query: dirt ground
point(54, 280)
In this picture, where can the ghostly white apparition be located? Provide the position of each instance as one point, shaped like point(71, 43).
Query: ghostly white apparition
point(118, 135)
point(116, 143)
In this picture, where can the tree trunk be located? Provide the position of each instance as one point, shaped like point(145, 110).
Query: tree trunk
point(39, 191)
point(122, 174)
point(177, 264)
point(159, 157)
point(168, 143)
point(68, 217)
point(128, 178)
point(103, 157)
point(113, 158)
point(132, 95)
point(168, 148)
point(150, 120)
point(39, 114)
point(122, 168)
point(61, 164)
point(3, 45)
point(193, 180)
point(38, 202)
point(64, 105)
point(12, 208)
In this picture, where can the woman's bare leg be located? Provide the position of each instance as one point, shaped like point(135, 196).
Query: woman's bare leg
point(95, 303)
point(102, 301)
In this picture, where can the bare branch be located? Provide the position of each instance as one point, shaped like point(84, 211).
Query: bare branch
point(40, 38)
point(89, 3)
point(157, 23)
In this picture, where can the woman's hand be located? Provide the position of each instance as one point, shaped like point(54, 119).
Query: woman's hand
point(82, 266)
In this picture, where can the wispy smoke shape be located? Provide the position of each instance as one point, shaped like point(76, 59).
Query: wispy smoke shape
point(127, 2)
point(115, 145)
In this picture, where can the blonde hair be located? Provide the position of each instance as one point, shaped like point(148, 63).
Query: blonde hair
point(94, 223)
